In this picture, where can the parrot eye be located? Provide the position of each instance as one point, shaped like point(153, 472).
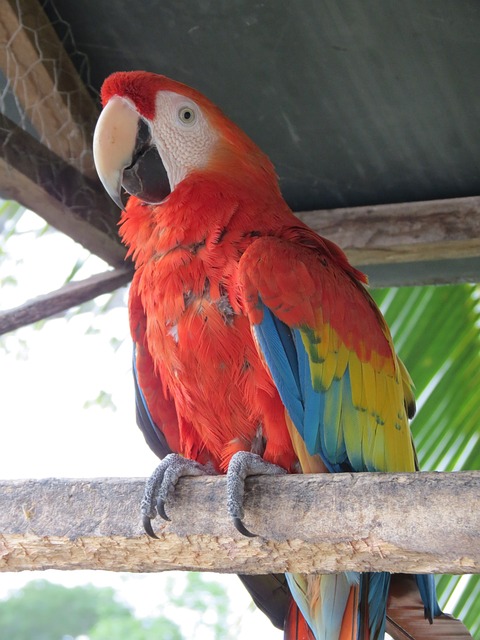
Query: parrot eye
point(187, 115)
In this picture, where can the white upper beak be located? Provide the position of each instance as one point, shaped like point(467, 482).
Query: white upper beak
point(114, 144)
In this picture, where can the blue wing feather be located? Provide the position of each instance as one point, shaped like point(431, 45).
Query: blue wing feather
point(289, 364)
point(276, 344)
point(377, 586)
point(312, 400)
point(310, 409)
point(426, 586)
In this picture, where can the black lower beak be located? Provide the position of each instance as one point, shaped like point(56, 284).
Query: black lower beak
point(146, 177)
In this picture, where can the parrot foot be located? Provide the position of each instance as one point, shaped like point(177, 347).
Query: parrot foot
point(242, 465)
point(161, 485)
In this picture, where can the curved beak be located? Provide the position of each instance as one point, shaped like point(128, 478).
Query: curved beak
point(114, 144)
point(125, 155)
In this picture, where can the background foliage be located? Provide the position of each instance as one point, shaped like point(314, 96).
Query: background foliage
point(42, 610)
point(437, 334)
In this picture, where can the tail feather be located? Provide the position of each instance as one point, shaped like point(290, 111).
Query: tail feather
point(349, 629)
point(373, 599)
point(296, 627)
point(322, 600)
point(406, 615)
point(364, 632)
point(428, 594)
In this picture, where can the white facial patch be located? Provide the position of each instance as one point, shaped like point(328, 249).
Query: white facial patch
point(184, 137)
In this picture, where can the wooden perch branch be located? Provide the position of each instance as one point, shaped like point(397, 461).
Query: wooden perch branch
point(69, 296)
point(423, 522)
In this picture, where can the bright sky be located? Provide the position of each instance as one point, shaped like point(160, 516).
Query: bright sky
point(47, 376)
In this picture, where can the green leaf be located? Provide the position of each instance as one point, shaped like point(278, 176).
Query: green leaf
point(103, 400)
point(45, 611)
point(436, 331)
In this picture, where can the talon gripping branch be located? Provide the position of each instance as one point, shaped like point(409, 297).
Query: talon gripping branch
point(258, 347)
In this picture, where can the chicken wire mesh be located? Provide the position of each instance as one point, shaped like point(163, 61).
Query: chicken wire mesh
point(48, 111)
point(44, 80)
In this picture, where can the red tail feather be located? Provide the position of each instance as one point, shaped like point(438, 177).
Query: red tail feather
point(349, 630)
point(296, 627)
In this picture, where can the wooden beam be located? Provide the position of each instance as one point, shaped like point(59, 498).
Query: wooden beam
point(406, 232)
point(306, 523)
point(40, 180)
point(46, 85)
point(409, 274)
point(71, 295)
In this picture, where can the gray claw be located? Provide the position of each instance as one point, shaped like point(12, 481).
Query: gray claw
point(147, 525)
point(161, 509)
point(161, 485)
point(242, 465)
point(241, 528)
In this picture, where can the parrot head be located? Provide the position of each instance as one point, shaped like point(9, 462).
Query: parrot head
point(153, 132)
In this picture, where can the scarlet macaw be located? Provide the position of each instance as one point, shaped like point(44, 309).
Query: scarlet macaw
point(253, 334)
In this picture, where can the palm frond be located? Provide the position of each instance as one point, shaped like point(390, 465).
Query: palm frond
point(437, 334)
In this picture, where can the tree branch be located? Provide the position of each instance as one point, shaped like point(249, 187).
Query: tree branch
point(71, 295)
point(423, 522)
